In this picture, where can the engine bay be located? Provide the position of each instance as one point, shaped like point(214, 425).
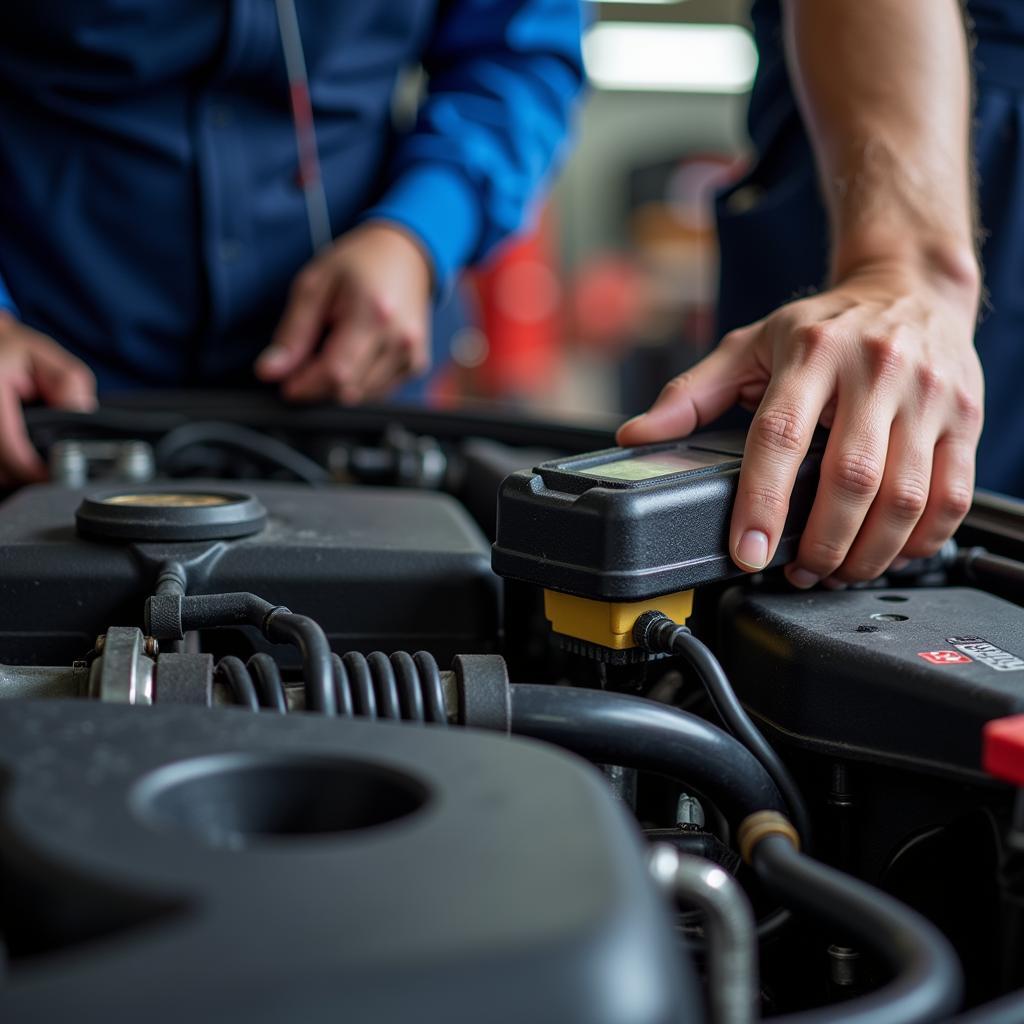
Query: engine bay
point(293, 727)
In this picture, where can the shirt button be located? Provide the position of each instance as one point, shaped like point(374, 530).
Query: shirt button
point(230, 249)
point(220, 115)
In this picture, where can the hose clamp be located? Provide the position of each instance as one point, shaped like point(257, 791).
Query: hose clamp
point(760, 825)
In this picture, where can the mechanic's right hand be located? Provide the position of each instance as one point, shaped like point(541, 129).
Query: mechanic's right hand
point(34, 368)
point(886, 359)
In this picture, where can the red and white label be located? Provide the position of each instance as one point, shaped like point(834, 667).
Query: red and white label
point(945, 657)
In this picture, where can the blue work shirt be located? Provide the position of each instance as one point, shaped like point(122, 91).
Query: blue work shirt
point(774, 233)
point(151, 214)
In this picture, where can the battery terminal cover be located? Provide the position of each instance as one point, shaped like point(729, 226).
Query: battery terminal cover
point(1003, 748)
point(609, 623)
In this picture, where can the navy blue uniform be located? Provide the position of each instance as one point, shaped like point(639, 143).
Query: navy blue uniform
point(774, 227)
point(151, 217)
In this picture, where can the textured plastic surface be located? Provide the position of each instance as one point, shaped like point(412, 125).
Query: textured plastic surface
point(379, 569)
point(586, 526)
point(193, 866)
point(900, 676)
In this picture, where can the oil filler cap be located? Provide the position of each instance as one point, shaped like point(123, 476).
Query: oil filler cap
point(170, 515)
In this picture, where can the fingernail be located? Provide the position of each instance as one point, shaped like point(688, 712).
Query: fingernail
point(803, 578)
point(633, 421)
point(899, 563)
point(752, 550)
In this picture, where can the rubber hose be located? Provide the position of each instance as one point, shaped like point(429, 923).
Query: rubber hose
point(927, 979)
point(614, 728)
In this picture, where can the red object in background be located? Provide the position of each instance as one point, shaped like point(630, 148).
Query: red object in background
point(520, 305)
point(609, 301)
point(1003, 749)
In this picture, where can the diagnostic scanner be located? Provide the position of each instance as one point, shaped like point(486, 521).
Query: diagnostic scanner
point(615, 533)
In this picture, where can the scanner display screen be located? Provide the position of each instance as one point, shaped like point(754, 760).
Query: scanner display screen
point(652, 465)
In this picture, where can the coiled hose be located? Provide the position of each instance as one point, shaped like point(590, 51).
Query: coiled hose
point(401, 688)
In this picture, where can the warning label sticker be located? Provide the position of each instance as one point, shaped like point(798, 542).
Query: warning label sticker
point(979, 649)
point(945, 657)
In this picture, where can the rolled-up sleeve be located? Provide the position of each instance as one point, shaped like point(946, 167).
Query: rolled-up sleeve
point(504, 76)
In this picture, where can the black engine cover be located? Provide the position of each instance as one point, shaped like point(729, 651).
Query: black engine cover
point(901, 676)
point(377, 568)
point(176, 864)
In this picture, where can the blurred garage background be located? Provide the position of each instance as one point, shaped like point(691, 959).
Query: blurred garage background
point(613, 291)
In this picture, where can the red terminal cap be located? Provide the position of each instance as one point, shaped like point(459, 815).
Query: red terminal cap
point(1002, 753)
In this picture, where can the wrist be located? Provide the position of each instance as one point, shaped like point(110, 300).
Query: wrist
point(406, 244)
point(946, 265)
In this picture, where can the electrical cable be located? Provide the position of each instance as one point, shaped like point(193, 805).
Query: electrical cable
point(658, 633)
point(265, 449)
point(985, 569)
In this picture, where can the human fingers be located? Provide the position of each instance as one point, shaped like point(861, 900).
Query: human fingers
point(698, 396)
point(302, 323)
point(777, 442)
point(336, 372)
point(19, 461)
point(61, 380)
point(851, 474)
point(900, 502)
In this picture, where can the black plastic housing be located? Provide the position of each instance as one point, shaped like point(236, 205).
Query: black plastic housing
point(378, 568)
point(564, 527)
point(849, 673)
point(206, 865)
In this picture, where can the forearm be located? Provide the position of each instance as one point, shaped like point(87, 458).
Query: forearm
point(884, 89)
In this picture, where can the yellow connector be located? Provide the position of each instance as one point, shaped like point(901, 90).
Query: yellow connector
point(610, 623)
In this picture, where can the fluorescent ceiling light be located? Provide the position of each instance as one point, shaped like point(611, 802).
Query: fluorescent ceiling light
point(670, 57)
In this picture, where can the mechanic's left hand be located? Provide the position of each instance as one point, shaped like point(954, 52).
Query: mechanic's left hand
point(357, 322)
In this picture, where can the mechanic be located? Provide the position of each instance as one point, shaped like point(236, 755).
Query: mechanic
point(162, 192)
point(877, 95)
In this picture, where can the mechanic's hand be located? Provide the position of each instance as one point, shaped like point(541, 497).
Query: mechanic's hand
point(886, 359)
point(33, 368)
point(367, 299)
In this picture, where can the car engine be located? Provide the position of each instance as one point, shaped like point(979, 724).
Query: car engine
point(293, 727)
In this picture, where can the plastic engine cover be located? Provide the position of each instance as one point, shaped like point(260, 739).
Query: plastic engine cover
point(902, 676)
point(186, 864)
point(376, 567)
